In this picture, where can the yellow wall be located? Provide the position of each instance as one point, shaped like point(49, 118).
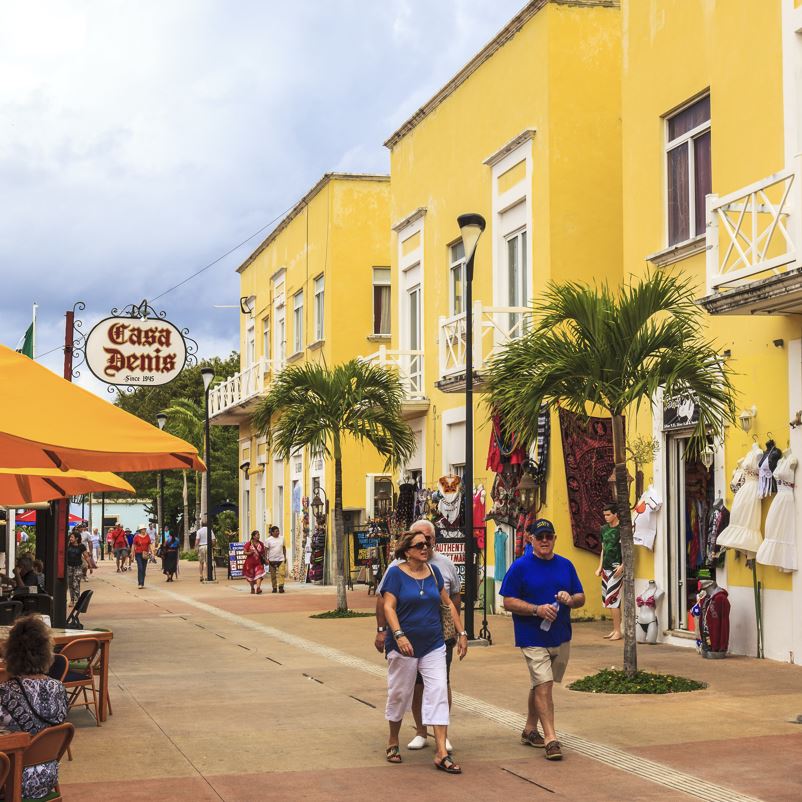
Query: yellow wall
point(560, 75)
point(341, 233)
point(673, 50)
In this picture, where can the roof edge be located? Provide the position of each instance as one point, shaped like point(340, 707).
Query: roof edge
point(304, 201)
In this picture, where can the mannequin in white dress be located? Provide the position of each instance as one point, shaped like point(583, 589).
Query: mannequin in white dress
point(779, 547)
point(647, 624)
point(743, 532)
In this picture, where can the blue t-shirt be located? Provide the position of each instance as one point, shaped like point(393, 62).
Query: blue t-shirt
point(538, 581)
point(418, 615)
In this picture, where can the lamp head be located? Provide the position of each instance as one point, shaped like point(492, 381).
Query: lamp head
point(161, 419)
point(746, 417)
point(317, 504)
point(471, 227)
point(245, 466)
point(207, 374)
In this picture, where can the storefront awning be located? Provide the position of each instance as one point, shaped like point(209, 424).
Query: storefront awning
point(46, 484)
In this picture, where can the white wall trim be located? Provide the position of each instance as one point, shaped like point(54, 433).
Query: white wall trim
point(411, 218)
point(508, 147)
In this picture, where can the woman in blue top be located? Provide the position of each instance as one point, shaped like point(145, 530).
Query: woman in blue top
point(413, 592)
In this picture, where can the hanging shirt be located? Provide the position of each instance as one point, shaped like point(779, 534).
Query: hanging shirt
point(646, 517)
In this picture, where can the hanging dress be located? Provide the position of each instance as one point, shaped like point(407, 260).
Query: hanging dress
point(779, 547)
point(743, 533)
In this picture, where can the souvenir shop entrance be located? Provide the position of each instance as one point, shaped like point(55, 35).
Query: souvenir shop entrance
point(691, 494)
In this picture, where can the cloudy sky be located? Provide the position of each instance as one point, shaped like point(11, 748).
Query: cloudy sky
point(143, 139)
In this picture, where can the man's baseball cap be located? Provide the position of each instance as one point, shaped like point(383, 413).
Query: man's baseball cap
point(540, 526)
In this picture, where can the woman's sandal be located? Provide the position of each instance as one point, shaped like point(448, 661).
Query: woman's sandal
point(448, 765)
point(393, 754)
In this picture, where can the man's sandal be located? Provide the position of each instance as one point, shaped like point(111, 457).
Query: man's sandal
point(553, 751)
point(393, 755)
point(447, 765)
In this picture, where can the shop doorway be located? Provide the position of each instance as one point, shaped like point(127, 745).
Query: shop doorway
point(691, 493)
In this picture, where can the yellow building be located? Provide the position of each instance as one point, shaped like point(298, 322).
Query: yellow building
point(307, 294)
point(528, 135)
point(711, 105)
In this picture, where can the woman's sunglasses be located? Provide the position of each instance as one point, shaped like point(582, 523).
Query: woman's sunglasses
point(419, 546)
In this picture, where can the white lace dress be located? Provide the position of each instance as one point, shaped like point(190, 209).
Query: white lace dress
point(779, 547)
point(743, 533)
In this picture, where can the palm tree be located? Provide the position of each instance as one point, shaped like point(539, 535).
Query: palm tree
point(592, 349)
point(186, 419)
point(316, 407)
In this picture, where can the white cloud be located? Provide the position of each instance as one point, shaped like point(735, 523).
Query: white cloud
point(140, 140)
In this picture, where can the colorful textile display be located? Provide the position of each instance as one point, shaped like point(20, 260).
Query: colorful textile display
point(503, 451)
point(588, 456)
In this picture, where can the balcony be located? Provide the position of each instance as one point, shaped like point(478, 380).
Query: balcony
point(493, 328)
point(232, 402)
point(754, 235)
point(409, 366)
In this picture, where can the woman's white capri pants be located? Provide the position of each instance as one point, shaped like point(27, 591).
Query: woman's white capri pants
point(401, 685)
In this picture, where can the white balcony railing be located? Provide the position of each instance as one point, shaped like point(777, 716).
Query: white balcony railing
point(409, 365)
point(754, 232)
point(236, 390)
point(493, 328)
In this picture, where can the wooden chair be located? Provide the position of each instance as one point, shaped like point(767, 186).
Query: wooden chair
point(81, 679)
point(5, 768)
point(50, 744)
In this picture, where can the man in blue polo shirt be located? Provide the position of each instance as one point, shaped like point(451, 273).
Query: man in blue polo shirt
point(539, 590)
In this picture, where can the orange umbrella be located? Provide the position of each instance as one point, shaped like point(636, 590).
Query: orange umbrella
point(30, 485)
point(46, 421)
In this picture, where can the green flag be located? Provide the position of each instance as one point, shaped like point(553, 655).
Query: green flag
point(25, 345)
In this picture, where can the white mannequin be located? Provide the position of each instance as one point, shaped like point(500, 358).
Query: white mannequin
point(647, 624)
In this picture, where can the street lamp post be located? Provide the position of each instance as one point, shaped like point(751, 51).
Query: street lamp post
point(471, 227)
point(161, 419)
point(208, 374)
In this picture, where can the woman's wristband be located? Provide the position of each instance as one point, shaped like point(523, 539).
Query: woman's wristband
point(399, 633)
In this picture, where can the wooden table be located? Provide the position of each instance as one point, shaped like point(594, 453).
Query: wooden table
point(14, 744)
point(64, 636)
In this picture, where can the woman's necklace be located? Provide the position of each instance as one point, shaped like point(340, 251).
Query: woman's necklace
point(420, 584)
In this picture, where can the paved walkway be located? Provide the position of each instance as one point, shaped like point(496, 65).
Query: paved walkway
point(222, 695)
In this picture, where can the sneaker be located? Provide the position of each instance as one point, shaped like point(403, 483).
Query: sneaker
point(281, 590)
point(533, 738)
point(553, 751)
point(275, 590)
point(418, 742)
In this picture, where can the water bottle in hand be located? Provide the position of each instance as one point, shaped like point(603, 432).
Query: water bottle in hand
point(545, 624)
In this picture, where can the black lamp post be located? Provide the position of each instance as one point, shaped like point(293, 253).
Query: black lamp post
point(471, 227)
point(208, 374)
point(161, 419)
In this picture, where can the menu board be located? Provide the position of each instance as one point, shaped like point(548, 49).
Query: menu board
point(236, 560)
point(366, 544)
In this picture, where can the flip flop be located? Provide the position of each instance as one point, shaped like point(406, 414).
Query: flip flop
point(448, 766)
point(393, 754)
point(613, 637)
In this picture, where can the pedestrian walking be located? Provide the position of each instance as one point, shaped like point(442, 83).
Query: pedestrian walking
point(201, 538)
point(129, 539)
point(413, 593)
point(77, 558)
point(143, 547)
point(277, 559)
point(539, 589)
point(255, 560)
point(169, 554)
point(120, 545)
point(110, 540)
point(95, 540)
point(611, 567)
point(452, 583)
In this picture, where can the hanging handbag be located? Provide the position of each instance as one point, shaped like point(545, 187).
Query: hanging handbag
point(446, 621)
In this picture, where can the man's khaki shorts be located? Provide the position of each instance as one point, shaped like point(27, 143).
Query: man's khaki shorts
point(202, 555)
point(547, 664)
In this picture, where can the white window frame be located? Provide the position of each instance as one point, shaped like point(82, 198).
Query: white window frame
point(298, 322)
point(685, 140)
point(455, 264)
point(522, 272)
point(319, 301)
point(250, 343)
point(379, 281)
point(266, 337)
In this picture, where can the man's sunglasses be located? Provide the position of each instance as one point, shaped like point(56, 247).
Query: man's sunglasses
point(419, 546)
point(544, 536)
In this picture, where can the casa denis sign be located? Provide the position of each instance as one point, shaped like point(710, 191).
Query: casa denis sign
point(135, 352)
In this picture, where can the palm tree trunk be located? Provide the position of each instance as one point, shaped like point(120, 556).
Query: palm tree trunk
point(186, 512)
point(627, 546)
point(339, 540)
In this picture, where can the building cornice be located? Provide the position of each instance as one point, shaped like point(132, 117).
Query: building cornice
point(304, 202)
point(515, 142)
point(409, 219)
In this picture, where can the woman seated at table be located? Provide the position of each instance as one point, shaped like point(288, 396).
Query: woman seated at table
point(30, 700)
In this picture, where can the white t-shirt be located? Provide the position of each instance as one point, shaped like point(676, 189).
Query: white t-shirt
point(451, 580)
point(275, 549)
point(200, 539)
point(646, 518)
point(95, 538)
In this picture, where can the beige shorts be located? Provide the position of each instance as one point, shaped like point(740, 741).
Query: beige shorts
point(202, 555)
point(547, 664)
